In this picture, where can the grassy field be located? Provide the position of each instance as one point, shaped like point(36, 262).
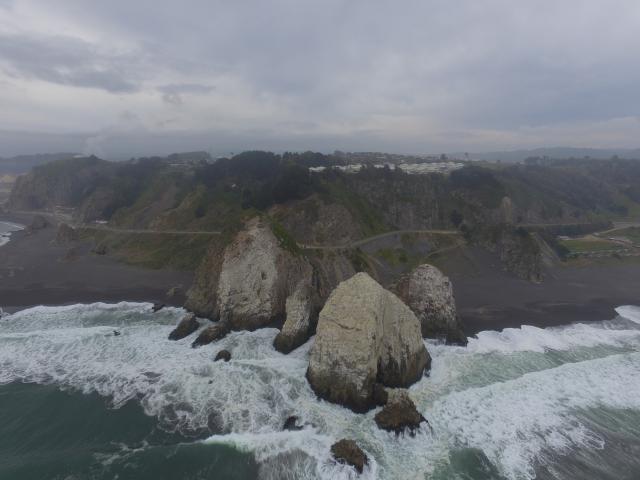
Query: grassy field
point(632, 233)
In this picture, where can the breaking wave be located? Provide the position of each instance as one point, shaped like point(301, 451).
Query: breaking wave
point(514, 396)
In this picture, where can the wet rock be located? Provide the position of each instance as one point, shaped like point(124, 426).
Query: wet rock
point(186, 327)
point(380, 395)
point(430, 295)
point(291, 424)
point(223, 355)
point(348, 452)
point(157, 307)
point(365, 335)
point(211, 334)
point(399, 414)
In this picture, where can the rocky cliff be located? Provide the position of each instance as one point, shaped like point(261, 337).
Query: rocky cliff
point(247, 286)
point(365, 335)
point(429, 294)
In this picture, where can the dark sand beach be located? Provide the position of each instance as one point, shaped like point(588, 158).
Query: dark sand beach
point(490, 298)
point(34, 270)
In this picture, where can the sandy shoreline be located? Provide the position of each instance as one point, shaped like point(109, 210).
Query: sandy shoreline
point(34, 270)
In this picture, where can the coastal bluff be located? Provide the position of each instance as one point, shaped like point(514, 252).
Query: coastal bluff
point(365, 335)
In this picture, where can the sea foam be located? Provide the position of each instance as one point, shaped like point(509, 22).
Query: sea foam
point(513, 394)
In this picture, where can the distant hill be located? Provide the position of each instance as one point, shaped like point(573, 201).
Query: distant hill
point(23, 163)
point(556, 153)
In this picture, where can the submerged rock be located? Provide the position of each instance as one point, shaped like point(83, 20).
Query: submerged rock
point(211, 334)
point(298, 324)
point(291, 424)
point(348, 452)
point(430, 295)
point(399, 414)
point(365, 335)
point(223, 355)
point(157, 307)
point(186, 327)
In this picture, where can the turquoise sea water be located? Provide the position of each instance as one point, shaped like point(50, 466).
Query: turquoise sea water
point(77, 402)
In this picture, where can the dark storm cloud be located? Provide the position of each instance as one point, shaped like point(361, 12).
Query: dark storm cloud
point(65, 61)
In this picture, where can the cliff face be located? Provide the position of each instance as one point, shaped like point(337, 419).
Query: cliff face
point(518, 249)
point(66, 183)
point(429, 294)
point(247, 284)
point(365, 335)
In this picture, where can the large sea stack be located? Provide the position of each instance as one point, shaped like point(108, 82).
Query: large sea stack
point(365, 335)
point(430, 295)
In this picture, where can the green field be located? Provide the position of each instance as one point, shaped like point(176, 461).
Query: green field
point(632, 233)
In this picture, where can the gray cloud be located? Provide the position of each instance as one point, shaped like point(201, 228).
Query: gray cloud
point(66, 61)
point(410, 76)
point(173, 93)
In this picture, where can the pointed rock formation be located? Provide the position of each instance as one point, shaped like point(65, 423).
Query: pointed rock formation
point(365, 335)
point(298, 325)
point(186, 327)
point(430, 295)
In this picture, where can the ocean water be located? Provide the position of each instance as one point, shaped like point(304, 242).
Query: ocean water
point(6, 228)
point(78, 402)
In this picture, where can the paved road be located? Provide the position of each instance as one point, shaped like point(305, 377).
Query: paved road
point(145, 231)
point(364, 241)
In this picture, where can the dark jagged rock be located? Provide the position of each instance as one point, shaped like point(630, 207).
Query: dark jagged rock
point(186, 327)
point(116, 333)
point(399, 414)
point(223, 355)
point(211, 334)
point(380, 395)
point(348, 452)
point(291, 424)
point(157, 307)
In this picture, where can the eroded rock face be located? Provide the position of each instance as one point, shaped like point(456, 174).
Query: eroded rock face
point(256, 277)
point(399, 414)
point(348, 452)
point(365, 335)
point(299, 319)
point(211, 334)
point(186, 327)
point(430, 295)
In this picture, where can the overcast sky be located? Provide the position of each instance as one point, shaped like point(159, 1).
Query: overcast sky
point(154, 76)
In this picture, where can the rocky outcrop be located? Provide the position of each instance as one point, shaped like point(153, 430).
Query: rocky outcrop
point(251, 283)
point(430, 295)
point(365, 335)
point(299, 321)
point(211, 334)
point(399, 414)
point(348, 452)
point(291, 424)
point(38, 222)
point(186, 327)
point(224, 355)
